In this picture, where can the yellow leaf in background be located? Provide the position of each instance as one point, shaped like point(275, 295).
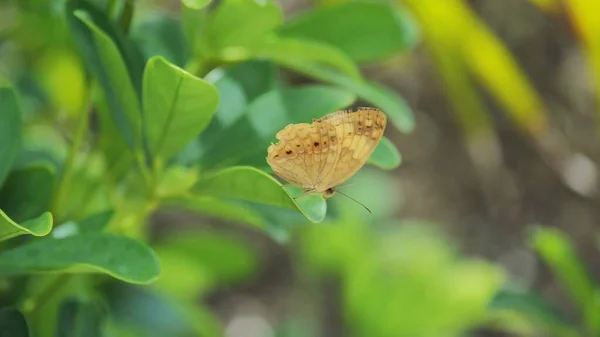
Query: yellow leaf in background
point(442, 41)
point(492, 63)
point(62, 77)
point(453, 28)
point(584, 18)
point(547, 5)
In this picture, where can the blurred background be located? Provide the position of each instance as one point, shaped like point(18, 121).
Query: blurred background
point(486, 228)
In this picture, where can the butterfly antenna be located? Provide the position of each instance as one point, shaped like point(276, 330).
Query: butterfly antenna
point(356, 201)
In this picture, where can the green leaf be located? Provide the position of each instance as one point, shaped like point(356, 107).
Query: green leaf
point(10, 130)
point(129, 306)
point(39, 226)
point(238, 24)
point(298, 53)
point(161, 34)
point(209, 260)
point(80, 319)
point(177, 107)
point(556, 250)
point(246, 141)
point(388, 101)
point(256, 77)
point(102, 57)
point(532, 308)
point(121, 257)
point(12, 323)
point(386, 155)
point(96, 13)
point(250, 184)
point(221, 209)
point(92, 224)
point(365, 30)
point(195, 4)
point(27, 192)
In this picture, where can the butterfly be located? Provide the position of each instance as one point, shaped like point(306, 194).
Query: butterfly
point(320, 156)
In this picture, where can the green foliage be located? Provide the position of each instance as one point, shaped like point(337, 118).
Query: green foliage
point(12, 323)
point(176, 111)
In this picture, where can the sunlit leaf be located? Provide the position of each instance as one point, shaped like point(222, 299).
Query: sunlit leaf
point(250, 184)
point(177, 107)
point(39, 226)
point(236, 25)
point(195, 4)
point(298, 53)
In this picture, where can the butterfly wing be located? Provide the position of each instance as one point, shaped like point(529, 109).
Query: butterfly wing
point(358, 132)
point(302, 153)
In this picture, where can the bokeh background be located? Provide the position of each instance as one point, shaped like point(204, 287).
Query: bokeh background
point(505, 97)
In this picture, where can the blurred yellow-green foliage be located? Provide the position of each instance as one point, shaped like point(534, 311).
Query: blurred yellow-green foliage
point(135, 199)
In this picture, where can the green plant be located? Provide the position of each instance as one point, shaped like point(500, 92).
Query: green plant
point(110, 119)
point(113, 111)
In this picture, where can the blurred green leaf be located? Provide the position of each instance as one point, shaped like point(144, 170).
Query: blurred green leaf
point(386, 155)
point(587, 29)
point(102, 57)
point(195, 4)
point(221, 209)
point(206, 260)
point(91, 224)
point(96, 222)
point(532, 309)
point(42, 144)
point(118, 256)
point(177, 107)
point(10, 130)
point(302, 53)
point(256, 77)
point(194, 20)
point(386, 274)
point(161, 35)
point(175, 181)
point(26, 193)
point(249, 136)
point(365, 30)
point(236, 25)
point(12, 323)
point(556, 250)
point(149, 313)
point(387, 100)
point(39, 226)
point(95, 12)
point(250, 184)
point(80, 319)
point(453, 27)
